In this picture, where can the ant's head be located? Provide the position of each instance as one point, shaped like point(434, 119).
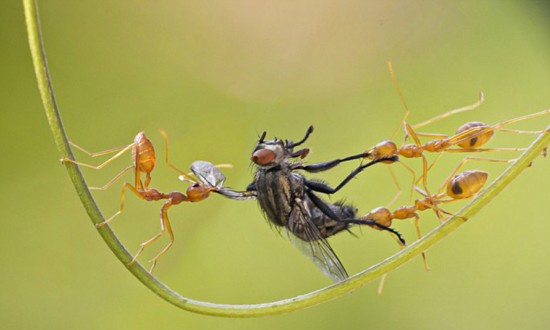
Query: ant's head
point(275, 152)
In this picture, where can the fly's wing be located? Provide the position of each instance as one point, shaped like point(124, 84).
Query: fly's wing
point(208, 174)
point(303, 233)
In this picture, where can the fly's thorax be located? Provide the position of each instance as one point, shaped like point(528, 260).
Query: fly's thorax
point(277, 189)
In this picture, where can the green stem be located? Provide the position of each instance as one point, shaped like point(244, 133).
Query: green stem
point(277, 307)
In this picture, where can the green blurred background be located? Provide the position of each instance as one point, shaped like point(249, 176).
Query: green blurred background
point(214, 75)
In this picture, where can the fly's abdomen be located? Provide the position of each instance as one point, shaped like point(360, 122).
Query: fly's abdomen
point(327, 226)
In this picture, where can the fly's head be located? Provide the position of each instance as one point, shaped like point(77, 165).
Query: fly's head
point(275, 152)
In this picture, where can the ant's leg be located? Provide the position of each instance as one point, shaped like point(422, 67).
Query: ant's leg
point(410, 131)
point(486, 149)
point(143, 245)
point(380, 288)
point(407, 112)
point(113, 180)
point(167, 154)
point(413, 180)
point(164, 225)
point(448, 114)
point(515, 120)
point(187, 176)
point(98, 167)
point(419, 234)
point(432, 165)
point(432, 202)
point(124, 186)
point(98, 153)
point(399, 189)
point(518, 131)
point(397, 185)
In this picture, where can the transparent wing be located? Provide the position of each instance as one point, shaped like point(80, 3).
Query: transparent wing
point(306, 237)
point(208, 174)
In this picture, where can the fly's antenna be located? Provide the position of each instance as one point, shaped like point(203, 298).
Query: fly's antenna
point(262, 137)
point(291, 144)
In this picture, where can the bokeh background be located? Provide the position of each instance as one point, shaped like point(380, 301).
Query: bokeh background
point(214, 75)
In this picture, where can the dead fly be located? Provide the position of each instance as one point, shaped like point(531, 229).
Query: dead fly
point(289, 201)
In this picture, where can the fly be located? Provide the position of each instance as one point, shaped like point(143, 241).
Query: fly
point(289, 200)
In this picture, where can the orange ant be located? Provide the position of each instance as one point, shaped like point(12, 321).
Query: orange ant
point(456, 187)
point(205, 179)
point(143, 156)
point(468, 138)
point(473, 135)
point(208, 179)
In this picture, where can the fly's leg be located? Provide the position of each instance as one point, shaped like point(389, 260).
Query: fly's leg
point(250, 192)
point(323, 188)
point(314, 168)
point(373, 223)
point(330, 213)
point(238, 195)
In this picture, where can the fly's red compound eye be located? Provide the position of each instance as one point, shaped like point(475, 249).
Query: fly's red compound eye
point(263, 156)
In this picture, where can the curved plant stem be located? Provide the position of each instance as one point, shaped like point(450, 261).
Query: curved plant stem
point(277, 307)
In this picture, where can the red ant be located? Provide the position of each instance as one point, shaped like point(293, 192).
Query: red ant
point(468, 138)
point(456, 187)
point(143, 156)
point(205, 179)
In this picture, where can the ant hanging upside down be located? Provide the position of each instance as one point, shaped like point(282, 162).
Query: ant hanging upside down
point(469, 138)
point(205, 178)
